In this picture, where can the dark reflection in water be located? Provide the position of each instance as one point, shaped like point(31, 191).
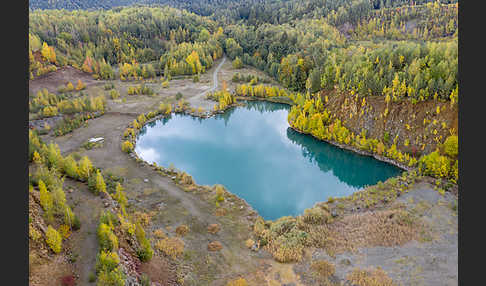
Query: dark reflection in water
point(253, 152)
point(346, 165)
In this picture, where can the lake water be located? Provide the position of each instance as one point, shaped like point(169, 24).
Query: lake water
point(254, 153)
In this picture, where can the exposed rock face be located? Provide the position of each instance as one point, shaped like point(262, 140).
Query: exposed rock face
point(413, 122)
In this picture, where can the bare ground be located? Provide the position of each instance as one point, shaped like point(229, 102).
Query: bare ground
point(53, 80)
point(433, 262)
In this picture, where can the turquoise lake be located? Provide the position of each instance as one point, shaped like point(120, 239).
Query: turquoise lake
point(254, 153)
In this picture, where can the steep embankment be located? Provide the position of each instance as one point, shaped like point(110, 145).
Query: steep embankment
point(417, 127)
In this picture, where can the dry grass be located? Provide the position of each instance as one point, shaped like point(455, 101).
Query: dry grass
point(249, 242)
point(287, 237)
point(215, 246)
point(322, 268)
point(159, 233)
point(221, 212)
point(143, 218)
point(172, 246)
point(50, 272)
point(370, 277)
point(182, 230)
point(237, 282)
point(214, 228)
point(378, 228)
point(185, 179)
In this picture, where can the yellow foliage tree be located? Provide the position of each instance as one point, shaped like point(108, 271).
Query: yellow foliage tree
point(53, 239)
point(100, 182)
point(80, 85)
point(85, 168)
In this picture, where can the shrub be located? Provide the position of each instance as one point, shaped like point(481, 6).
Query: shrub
point(108, 218)
point(172, 247)
point(111, 278)
point(182, 230)
point(451, 146)
point(249, 242)
point(34, 234)
point(142, 218)
point(100, 182)
point(213, 228)
point(126, 225)
point(322, 268)
point(386, 137)
point(435, 165)
point(92, 277)
point(316, 215)
point(65, 231)
point(119, 196)
point(282, 225)
point(109, 86)
point(69, 86)
point(54, 157)
point(59, 200)
point(107, 261)
point(70, 167)
point(195, 78)
point(53, 239)
point(114, 94)
point(127, 146)
point(45, 197)
point(369, 277)
point(80, 85)
point(69, 217)
point(178, 96)
point(159, 233)
point(145, 280)
point(237, 63)
point(165, 84)
point(237, 282)
point(107, 239)
point(219, 192)
point(76, 223)
point(289, 247)
point(185, 179)
point(146, 252)
point(85, 168)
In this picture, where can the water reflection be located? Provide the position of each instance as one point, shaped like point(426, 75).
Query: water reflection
point(344, 164)
point(253, 152)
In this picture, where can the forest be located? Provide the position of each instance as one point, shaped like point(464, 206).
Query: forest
point(398, 50)
point(314, 53)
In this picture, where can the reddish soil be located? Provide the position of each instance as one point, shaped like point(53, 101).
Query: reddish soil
point(53, 80)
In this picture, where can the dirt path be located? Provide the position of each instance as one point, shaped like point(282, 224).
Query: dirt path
point(84, 243)
point(199, 99)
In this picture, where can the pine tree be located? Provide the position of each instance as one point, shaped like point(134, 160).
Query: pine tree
point(45, 200)
point(53, 239)
point(80, 85)
point(85, 168)
point(100, 182)
point(70, 167)
point(45, 52)
point(69, 86)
